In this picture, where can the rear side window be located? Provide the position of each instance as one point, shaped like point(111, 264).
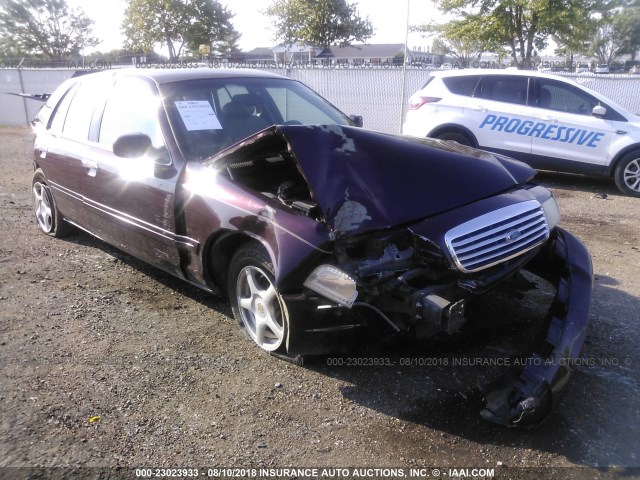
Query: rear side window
point(56, 122)
point(462, 85)
point(89, 97)
point(504, 88)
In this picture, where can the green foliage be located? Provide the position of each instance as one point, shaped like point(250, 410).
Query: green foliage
point(46, 28)
point(213, 27)
point(611, 29)
point(616, 34)
point(456, 38)
point(180, 24)
point(320, 23)
point(521, 26)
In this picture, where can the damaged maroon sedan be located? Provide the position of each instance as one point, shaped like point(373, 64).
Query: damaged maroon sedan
point(251, 185)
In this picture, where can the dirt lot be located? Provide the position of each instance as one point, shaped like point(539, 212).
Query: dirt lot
point(105, 361)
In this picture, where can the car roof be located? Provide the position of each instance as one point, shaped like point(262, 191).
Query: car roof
point(495, 71)
point(160, 76)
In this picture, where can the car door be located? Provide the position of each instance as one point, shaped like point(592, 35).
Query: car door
point(135, 197)
point(498, 115)
point(573, 138)
point(68, 156)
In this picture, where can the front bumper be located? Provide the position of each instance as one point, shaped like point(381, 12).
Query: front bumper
point(526, 397)
point(317, 326)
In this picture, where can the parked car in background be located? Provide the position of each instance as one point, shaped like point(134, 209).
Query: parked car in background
point(583, 69)
point(544, 120)
point(601, 68)
point(251, 185)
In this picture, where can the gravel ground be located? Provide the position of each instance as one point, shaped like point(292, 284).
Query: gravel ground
point(105, 361)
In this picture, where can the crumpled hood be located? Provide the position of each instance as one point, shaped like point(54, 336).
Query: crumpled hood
point(365, 180)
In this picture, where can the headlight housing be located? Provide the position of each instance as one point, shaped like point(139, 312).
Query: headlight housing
point(551, 211)
point(334, 284)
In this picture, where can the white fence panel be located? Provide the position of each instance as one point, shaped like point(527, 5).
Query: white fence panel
point(374, 93)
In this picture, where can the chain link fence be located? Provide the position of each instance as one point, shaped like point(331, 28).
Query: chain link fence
point(375, 93)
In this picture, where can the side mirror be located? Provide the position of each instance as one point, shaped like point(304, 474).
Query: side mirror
point(599, 111)
point(357, 120)
point(132, 145)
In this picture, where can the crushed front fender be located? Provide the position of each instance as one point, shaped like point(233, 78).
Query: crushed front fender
point(526, 397)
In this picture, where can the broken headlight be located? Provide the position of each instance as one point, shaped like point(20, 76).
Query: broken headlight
point(551, 211)
point(334, 284)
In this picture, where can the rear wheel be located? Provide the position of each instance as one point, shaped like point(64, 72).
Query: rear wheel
point(457, 137)
point(255, 301)
point(627, 174)
point(44, 206)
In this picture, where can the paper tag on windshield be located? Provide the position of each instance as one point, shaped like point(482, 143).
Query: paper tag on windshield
point(198, 115)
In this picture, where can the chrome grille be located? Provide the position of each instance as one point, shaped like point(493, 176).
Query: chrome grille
point(497, 236)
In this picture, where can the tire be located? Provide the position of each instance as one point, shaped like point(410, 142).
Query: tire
point(48, 216)
point(627, 174)
point(460, 138)
point(256, 303)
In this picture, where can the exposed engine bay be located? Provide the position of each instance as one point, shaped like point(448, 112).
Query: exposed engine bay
point(273, 171)
point(409, 279)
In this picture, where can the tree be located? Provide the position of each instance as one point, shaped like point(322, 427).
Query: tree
point(45, 27)
point(454, 39)
point(321, 23)
point(179, 24)
point(577, 39)
point(522, 26)
point(616, 35)
point(213, 27)
point(611, 29)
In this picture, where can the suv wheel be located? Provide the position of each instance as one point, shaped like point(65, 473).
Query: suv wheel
point(627, 174)
point(460, 138)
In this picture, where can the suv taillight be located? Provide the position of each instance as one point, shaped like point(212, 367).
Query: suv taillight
point(417, 101)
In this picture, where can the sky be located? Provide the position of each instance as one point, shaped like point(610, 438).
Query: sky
point(388, 18)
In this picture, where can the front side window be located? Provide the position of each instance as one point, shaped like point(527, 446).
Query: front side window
point(554, 95)
point(504, 88)
point(132, 107)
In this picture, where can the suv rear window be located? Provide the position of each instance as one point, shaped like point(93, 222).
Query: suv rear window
point(504, 88)
point(462, 85)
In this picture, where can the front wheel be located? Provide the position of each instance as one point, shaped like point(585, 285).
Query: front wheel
point(455, 137)
point(627, 174)
point(44, 206)
point(255, 301)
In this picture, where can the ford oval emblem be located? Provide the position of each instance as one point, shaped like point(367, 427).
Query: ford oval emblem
point(512, 236)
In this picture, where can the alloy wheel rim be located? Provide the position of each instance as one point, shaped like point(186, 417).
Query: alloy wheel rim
point(631, 175)
point(42, 207)
point(260, 308)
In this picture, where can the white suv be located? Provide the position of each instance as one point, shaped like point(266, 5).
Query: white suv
point(547, 121)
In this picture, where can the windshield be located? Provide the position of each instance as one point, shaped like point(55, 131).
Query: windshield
point(208, 115)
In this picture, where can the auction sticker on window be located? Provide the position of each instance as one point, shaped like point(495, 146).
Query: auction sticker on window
point(198, 115)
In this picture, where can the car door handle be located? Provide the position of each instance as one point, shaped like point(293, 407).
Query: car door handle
point(90, 164)
point(479, 108)
point(548, 118)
